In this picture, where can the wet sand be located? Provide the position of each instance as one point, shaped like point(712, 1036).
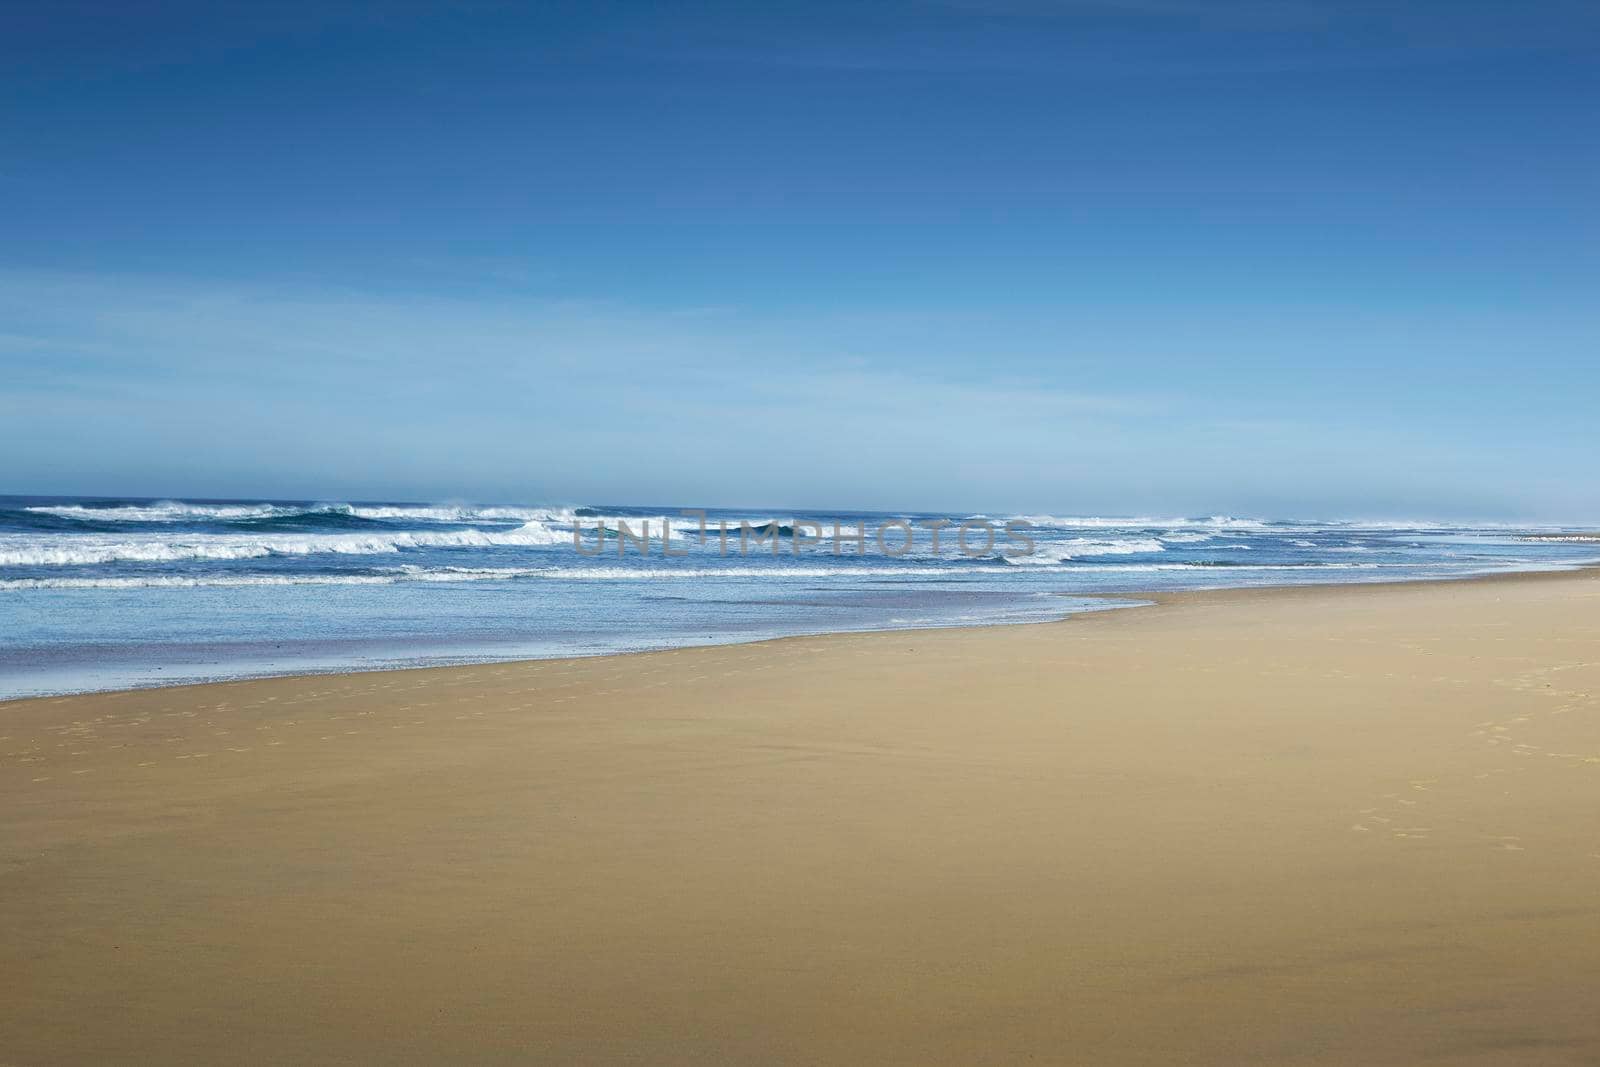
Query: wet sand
point(1338, 826)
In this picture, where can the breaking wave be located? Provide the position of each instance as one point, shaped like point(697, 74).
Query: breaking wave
point(1079, 547)
point(86, 550)
point(178, 511)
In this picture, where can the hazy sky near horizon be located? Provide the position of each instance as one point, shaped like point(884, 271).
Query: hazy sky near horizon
point(1082, 256)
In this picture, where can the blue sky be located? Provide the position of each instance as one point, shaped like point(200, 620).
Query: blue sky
point(1122, 256)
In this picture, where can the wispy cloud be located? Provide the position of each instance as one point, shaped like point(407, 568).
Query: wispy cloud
point(152, 361)
point(174, 385)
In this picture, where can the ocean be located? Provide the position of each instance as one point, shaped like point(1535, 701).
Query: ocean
point(120, 593)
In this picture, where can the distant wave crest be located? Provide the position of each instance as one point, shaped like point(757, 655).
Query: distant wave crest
point(179, 511)
point(1215, 522)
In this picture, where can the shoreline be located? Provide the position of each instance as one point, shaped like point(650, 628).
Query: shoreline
point(1320, 826)
point(1137, 599)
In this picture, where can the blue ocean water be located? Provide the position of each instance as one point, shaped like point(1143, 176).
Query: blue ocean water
point(116, 593)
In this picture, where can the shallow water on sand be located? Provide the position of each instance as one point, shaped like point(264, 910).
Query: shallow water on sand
point(114, 593)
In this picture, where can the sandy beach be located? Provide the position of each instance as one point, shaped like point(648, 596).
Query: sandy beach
point(1340, 825)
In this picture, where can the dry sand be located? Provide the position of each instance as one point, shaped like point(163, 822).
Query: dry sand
point(1348, 826)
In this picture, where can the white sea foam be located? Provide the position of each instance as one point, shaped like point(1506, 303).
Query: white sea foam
point(1215, 522)
point(1151, 568)
point(84, 549)
point(1050, 552)
point(458, 514)
point(674, 573)
point(652, 573)
point(1309, 568)
point(656, 571)
point(158, 581)
point(485, 574)
point(167, 511)
point(178, 511)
